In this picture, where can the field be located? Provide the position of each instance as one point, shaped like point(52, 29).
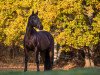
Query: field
point(77, 71)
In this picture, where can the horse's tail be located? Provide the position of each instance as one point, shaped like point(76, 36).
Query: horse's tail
point(50, 51)
point(47, 61)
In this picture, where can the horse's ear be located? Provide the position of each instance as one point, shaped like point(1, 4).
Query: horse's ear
point(32, 12)
point(37, 13)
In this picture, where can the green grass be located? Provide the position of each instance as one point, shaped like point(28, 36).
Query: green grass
point(78, 71)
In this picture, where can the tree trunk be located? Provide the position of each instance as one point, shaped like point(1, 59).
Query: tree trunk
point(88, 62)
point(88, 57)
point(12, 50)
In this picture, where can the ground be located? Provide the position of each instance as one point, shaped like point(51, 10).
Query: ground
point(68, 69)
point(32, 67)
point(77, 71)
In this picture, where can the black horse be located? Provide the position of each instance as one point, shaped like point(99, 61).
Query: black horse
point(41, 42)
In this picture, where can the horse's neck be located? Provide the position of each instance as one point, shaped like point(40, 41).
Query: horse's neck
point(30, 31)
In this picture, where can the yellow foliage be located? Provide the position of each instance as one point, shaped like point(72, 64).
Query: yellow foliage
point(63, 18)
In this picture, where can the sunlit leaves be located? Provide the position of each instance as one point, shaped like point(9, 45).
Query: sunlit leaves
point(65, 19)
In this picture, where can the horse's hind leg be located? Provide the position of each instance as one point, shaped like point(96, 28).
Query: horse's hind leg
point(47, 57)
point(43, 57)
point(26, 60)
point(51, 54)
point(46, 60)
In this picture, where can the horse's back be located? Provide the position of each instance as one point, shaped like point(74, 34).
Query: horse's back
point(46, 39)
point(50, 37)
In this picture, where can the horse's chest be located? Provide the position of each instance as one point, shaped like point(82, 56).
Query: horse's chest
point(30, 43)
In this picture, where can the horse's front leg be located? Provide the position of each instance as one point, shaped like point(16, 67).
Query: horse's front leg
point(26, 59)
point(37, 59)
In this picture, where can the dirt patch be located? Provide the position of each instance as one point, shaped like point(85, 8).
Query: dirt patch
point(32, 67)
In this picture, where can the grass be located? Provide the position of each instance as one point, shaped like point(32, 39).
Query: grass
point(78, 71)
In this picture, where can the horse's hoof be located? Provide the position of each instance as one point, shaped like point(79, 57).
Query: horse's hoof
point(38, 70)
point(25, 70)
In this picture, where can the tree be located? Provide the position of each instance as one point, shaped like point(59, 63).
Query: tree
point(71, 22)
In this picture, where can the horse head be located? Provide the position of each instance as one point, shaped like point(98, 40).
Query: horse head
point(34, 21)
